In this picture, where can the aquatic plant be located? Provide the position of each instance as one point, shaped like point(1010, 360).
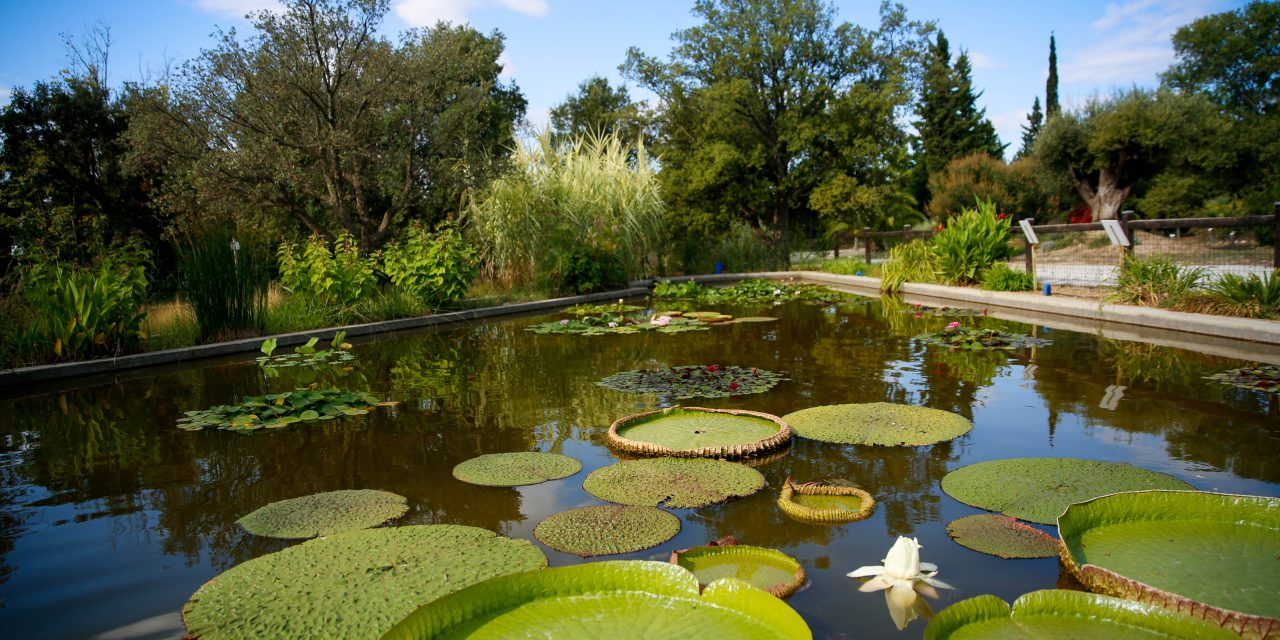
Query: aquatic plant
point(323, 514)
point(825, 503)
point(690, 432)
point(955, 336)
point(767, 569)
point(901, 576)
point(877, 423)
point(305, 355)
point(1001, 536)
point(516, 469)
point(673, 482)
point(750, 292)
point(608, 323)
point(276, 410)
point(1264, 377)
point(694, 381)
point(607, 529)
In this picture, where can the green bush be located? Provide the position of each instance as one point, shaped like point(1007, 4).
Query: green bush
point(437, 268)
point(1001, 277)
point(1250, 296)
point(586, 269)
point(80, 312)
point(914, 261)
point(1154, 281)
point(226, 286)
point(340, 276)
point(971, 242)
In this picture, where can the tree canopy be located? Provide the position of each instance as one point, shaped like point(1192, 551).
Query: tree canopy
point(1233, 57)
point(598, 109)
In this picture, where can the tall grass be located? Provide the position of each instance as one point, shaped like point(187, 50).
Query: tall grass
point(914, 261)
point(225, 283)
point(1154, 281)
point(1250, 296)
point(592, 191)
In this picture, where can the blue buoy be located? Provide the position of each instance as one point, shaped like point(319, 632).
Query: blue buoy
point(719, 268)
point(858, 273)
point(1048, 291)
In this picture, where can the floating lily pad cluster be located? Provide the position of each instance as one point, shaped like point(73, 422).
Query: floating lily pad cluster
point(878, 423)
point(1261, 378)
point(943, 312)
point(618, 324)
point(767, 569)
point(612, 308)
point(277, 410)
point(694, 381)
point(698, 432)
point(516, 469)
point(1002, 536)
point(673, 482)
point(607, 529)
point(351, 585)
point(958, 337)
point(323, 514)
point(750, 292)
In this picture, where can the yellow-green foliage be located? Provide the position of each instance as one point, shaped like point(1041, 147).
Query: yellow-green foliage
point(914, 261)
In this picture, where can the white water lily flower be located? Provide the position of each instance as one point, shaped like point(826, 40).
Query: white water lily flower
point(902, 573)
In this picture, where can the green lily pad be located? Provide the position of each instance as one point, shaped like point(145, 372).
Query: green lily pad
point(750, 319)
point(1002, 536)
point(617, 599)
point(750, 292)
point(1213, 555)
point(1040, 489)
point(710, 381)
point(323, 514)
point(607, 529)
point(877, 423)
point(516, 469)
point(767, 569)
point(276, 410)
point(1260, 378)
point(673, 482)
point(822, 503)
point(698, 432)
point(1054, 613)
point(352, 585)
point(970, 338)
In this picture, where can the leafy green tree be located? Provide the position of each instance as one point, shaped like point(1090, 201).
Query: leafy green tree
point(765, 100)
point(318, 121)
point(599, 109)
point(1030, 130)
point(1051, 107)
point(1111, 147)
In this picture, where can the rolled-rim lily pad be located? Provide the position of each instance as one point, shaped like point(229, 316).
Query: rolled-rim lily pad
point(695, 432)
point(607, 529)
point(1039, 489)
point(352, 585)
point(695, 381)
point(878, 423)
point(615, 599)
point(767, 569)
point(1055, 613)
point(1211, 555)
point(1002, 536)
point(516, 468)
point(323, 514)
point(673, 482)
point(821, 503)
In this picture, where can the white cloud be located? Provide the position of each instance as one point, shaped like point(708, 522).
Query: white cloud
point(1130, 42)
point(983, 61)
point(1009, 127)
point(236, 8)
point(4, 95)
point(423, 13)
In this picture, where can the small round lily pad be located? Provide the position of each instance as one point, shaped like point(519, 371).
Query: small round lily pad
point(325, 514)
point(516, 469)
point(695, 381)
point(768, 569)
point(673, 482)
point(351, 585)
point(878, 423)
point(1040, 489)
point(1002, 536)
point(690, 432)
point(607, 529)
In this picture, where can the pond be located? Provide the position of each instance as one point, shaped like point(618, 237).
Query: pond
point(112, 516)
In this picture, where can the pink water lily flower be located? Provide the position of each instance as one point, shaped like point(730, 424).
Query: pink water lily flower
point(564, 322)
point(660, 321)
point(954, 325)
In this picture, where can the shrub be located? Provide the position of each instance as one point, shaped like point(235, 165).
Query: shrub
point(1153, 281)
point(846, 267)
point(437, 267)
point(742, 249)
point(1251, 296)
point(338, 277)
point(914, 261)
point(1002, 277)
point(225, 285)
point(585, 269)
point(80, 312)
point(971, 242)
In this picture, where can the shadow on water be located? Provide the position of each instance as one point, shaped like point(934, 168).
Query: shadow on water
point(108, 508)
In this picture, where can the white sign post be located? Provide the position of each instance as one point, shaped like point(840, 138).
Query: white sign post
point(1115, 233)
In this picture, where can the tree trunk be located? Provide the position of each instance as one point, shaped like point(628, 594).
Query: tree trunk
point(1107, 197)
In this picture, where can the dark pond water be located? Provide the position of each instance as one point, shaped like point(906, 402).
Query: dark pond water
point(111, 517)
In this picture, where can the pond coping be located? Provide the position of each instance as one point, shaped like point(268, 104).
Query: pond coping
point(63, 370)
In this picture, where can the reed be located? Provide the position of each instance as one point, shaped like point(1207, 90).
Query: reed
point(224, 278)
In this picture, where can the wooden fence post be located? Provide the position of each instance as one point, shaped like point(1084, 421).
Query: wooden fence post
point(1125, 217)
point(866, 241)
point(906, 233)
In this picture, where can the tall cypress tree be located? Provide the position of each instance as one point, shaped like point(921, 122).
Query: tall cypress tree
point(1030, 130)
point(1051, 107)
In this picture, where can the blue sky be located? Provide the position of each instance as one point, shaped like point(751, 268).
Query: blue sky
point(552, 45)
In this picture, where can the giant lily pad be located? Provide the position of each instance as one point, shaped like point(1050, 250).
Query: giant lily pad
point(673, 482)
point(1039, 489)
point(607, 529)
point(711, 381)
point(877, 423)
point(325, 514)
point(822, 503)
point(276, 410)
point(618, 599)
point(1002, 536)
point(352, 585)
point(1053, 613)
point(516, 469)
point(1260, 378)
point(1211, 555)
point(697, 432)
point(768, 569)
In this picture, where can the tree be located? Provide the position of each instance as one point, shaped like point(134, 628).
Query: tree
point(1112, 146)
point(598, 109)
point(1051, 107)
point(1030, 130)
point(767, 99)
point(318, 121)
point(1233, 57)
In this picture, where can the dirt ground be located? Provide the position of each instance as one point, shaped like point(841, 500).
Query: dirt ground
point(1202, 248)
